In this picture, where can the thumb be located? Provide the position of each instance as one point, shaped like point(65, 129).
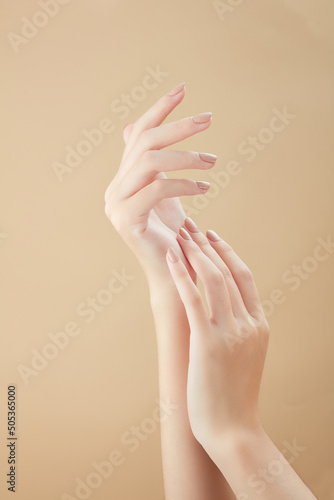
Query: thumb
point(127, 131)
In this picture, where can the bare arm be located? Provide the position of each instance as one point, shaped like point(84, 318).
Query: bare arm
point(227, 353)
point(256, 468)
point(189, 473)
point(143, 206)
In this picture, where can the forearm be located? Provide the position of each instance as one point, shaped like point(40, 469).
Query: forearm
point(255, 468)
point(189, 473)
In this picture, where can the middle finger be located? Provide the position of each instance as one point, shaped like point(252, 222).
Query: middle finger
point(168, 134)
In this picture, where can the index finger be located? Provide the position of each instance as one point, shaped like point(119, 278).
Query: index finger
point(155, 115)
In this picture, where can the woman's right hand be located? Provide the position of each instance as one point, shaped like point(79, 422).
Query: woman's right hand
point(229, 337)
point(227, 346)
point(141, 203)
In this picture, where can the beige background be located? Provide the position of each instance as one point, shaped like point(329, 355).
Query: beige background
point(57, 248)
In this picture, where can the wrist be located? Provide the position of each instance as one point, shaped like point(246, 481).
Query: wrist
point(235, 444)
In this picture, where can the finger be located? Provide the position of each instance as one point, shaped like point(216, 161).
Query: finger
point(142, 202)
point(154, 116)
point(153, 162)
point(237, 303)
point(188, 291)
point(216, 290)
point(168, 134)
point(127, 131)
point(240, 272)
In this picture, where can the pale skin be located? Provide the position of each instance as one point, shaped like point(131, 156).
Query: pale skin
point(211, 355)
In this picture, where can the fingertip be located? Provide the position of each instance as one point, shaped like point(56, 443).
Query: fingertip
point(177, 90)
point(190, 225)
point(184, 233)
point(172, 255)
point(212, 236)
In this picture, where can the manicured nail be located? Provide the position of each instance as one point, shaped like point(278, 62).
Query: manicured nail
point(177, 89)
point(185, 235)
point(207, 157)
point(190, 225)
point(202, 117)
point(203, 185)
point(212, 235)
point(172, 255)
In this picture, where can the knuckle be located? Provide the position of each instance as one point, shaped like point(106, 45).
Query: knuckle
point(187, 184)
point(116, 217)
point(107, 210)
point(180, 125)
point(203, 242)
point(247, 331)
point(226, 248)
point(136, 127)
point(264, 328)
point(149, 159)
point(217, 277)
point(184, 158)
point(145, 139)
point(261, 324)
point(195, 297)
point(226, 273)
point(245, 273)
point(158, 185)
point(108, 192)
point(163, 107)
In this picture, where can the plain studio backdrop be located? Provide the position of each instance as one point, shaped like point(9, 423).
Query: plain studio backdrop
point(77, 333)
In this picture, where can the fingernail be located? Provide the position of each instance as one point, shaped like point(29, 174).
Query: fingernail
point(177, 89)
point(202, 117)
point(203, 185)
point(207, 157)
point(185, 235)
point(191, 226)
point(212, 235)
point(172, 255)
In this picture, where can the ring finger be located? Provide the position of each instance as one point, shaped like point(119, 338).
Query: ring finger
point(154, 161)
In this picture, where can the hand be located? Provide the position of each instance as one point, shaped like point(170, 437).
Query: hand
point(141, 202)
point(227, 346)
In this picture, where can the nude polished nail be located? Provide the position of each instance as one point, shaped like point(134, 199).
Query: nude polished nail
point(207, 157)
point(185, 235)
point(202, 117)
point(212, 235)
point(190, 225)
point(203, 185)
point(172, 255)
